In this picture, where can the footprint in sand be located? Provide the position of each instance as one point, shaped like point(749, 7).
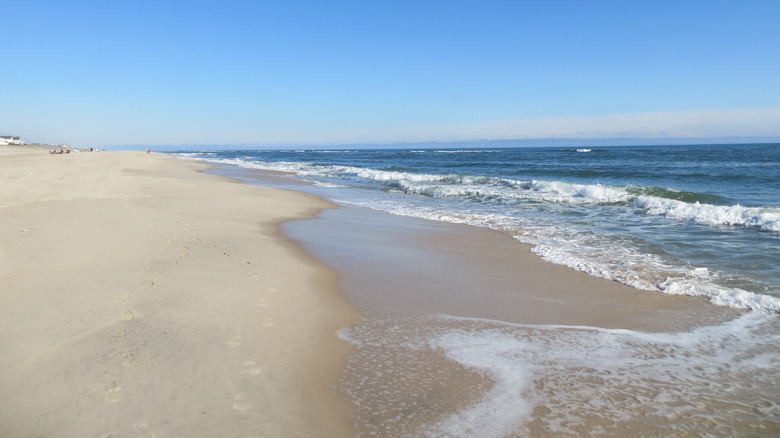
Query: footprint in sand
point(112, 392)
point(143, 427)
point(254, 275)
point(240, 403)
point(128, 315)
point(169, 237)
point(262, 303)
point(196, 237)
point(252, 368)
point(119, 334)
point(148, 285)
point(174, 263)
point(235, 341)
point(270, 288)
point(129, 359)
point(268, 322)
point(121, 298)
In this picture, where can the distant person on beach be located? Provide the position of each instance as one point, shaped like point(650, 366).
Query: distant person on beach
point(148, 151)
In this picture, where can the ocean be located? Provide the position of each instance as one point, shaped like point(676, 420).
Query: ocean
point(699, 220)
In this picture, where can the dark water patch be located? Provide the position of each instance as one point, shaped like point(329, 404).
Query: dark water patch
point(689, 197)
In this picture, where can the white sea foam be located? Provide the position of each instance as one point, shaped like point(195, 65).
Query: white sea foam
point(722, 296)
point(504, 408)
point(709, 381)
point(582, 373)
point(555, 191)
point(764, 218)
point(647, 272)
point(767, 219)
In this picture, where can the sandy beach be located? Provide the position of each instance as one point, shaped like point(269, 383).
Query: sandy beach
point(141, 297)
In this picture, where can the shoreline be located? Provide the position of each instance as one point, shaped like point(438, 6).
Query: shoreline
point(369, 248)
point(398, 267)
point(466, 330)
point(144, 296)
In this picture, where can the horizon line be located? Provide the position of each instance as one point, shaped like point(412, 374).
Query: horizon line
point(503, 143)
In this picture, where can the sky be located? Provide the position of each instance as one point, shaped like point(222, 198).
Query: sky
point(113, 73)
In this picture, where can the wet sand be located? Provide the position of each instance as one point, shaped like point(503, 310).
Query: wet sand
point(468, 333)
point(141, 297)
point(400, 266)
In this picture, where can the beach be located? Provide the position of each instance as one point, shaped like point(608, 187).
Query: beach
point(145, 295)
point(141, 297)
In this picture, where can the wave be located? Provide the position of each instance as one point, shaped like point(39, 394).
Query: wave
point(766, 219)
point(679, 195)
point(669, 203)
point(464, 151)
point(646, 272)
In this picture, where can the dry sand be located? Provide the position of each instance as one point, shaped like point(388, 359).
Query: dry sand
point(139, 297)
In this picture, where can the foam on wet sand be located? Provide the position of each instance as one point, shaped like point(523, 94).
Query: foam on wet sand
point(469, 333)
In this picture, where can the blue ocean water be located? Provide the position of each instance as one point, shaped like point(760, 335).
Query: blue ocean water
point(695, 220)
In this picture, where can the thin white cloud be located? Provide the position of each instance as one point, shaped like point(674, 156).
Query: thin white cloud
point(662, 124)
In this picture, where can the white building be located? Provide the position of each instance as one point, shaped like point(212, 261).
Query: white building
point(9, 139)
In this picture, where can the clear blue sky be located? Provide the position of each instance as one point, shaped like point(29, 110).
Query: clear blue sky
point(106, 73)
